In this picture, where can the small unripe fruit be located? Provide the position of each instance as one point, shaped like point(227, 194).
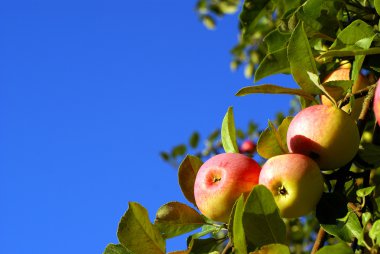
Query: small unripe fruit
point(248, 146)
point(221, 180)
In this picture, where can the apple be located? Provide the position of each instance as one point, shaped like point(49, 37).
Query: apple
point(248, 146)
point(376, 103)
point(295, 181)
point(343, 73)
point(326, 134)
point(221, 180)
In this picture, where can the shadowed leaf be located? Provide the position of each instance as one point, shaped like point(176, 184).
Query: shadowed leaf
point(187, 173)
point(174, 218)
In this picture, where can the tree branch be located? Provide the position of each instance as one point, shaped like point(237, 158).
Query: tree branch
point(319, 241)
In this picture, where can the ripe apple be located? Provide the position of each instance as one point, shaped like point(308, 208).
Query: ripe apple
point(376, 103)
point(295, 181)
point(248, 146)
point(343, 73)
point(221, 180)
point(326, 134)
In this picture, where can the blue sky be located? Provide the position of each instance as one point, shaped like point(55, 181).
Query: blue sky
point(90, 93)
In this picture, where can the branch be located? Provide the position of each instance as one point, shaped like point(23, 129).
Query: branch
point(319, 241)
point(227, 248)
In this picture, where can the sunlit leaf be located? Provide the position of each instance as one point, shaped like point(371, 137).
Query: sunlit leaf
point(272, 249)
point(261, 219)
point(273, 63)
point(236, 228)
point(374, 233)
point(339, 248)
point(116, 249)
point(229, 133)
point(301, 60)
point(365, 191)
point(137, 233)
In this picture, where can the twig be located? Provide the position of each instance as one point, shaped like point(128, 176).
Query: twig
point(319, 241)
point(227, 248)
point(359, 94)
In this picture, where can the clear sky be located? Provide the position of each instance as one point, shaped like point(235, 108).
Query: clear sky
point(90, 93)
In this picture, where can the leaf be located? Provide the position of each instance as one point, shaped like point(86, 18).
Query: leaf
point(272, 142)
point(340, 248)
point(315, 79)
point(273, 89)
point(229, 133)
point(345, 230)
point(261, 219)
point(272, 249)
point(205, 246)
point(187, 172)
point(377, 6)
point(345, 85)
point(374, 233)
point(116, 249)
point(350, 51)
point(301, 60)
point(366, 218)
point(174, 218)
point(208, 22)
point(352, 34)
point(165, 156)
point(178, 150)
point(369, 153)
point(273, 63)
point(236, 228)
point(194, 140)
point(250, 15)
point(365, 191)
point(137, 233)
point(275, 40)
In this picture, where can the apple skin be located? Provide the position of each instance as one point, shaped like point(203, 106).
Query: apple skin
point(295, 181)
point(221, 180)
point(343, 73)
point(376, 103)
point(248, 146)
point(326, 134)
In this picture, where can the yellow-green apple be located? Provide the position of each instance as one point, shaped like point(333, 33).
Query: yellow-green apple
point(295, 181)
point(343, 73)
point(248, 146)
point(326, 134)
point(376, 102)
point(221, 180)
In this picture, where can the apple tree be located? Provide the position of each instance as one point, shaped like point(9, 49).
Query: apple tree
point(309, 181)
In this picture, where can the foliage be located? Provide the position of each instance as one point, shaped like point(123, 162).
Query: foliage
point(307, 39)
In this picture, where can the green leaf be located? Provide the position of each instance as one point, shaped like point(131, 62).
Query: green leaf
point(137, 233)
point(301, 60)
point(345, 230)
point(174, 218)
point(187, 172)
point(366, 218)
point(116, 249)
point(272, 142)
point(377, 6)
point(352, 34)
point(165, 156)
point(194, 140)
point(236, 229)
point(273, 89)
point(374, 233)
point(350, 51)
point(250, 15)
point(273, 63)
point(206, 246)
point(273, 249)
point(340, 248)
point(365, 191)
point(261, 219)
point(208, 22)
point(178, 150)
point(229, 133)
point(369, 153)
point(315, 79)
point(345, 85)
point(275, 40)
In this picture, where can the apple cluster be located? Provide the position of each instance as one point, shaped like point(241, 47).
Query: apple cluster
point(295, 178)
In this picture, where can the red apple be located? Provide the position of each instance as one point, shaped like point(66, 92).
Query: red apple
point(248, 146)
point(326, 134)
point(343, 73)
point(221, 180)
point(376, 103)
point(295, 181)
